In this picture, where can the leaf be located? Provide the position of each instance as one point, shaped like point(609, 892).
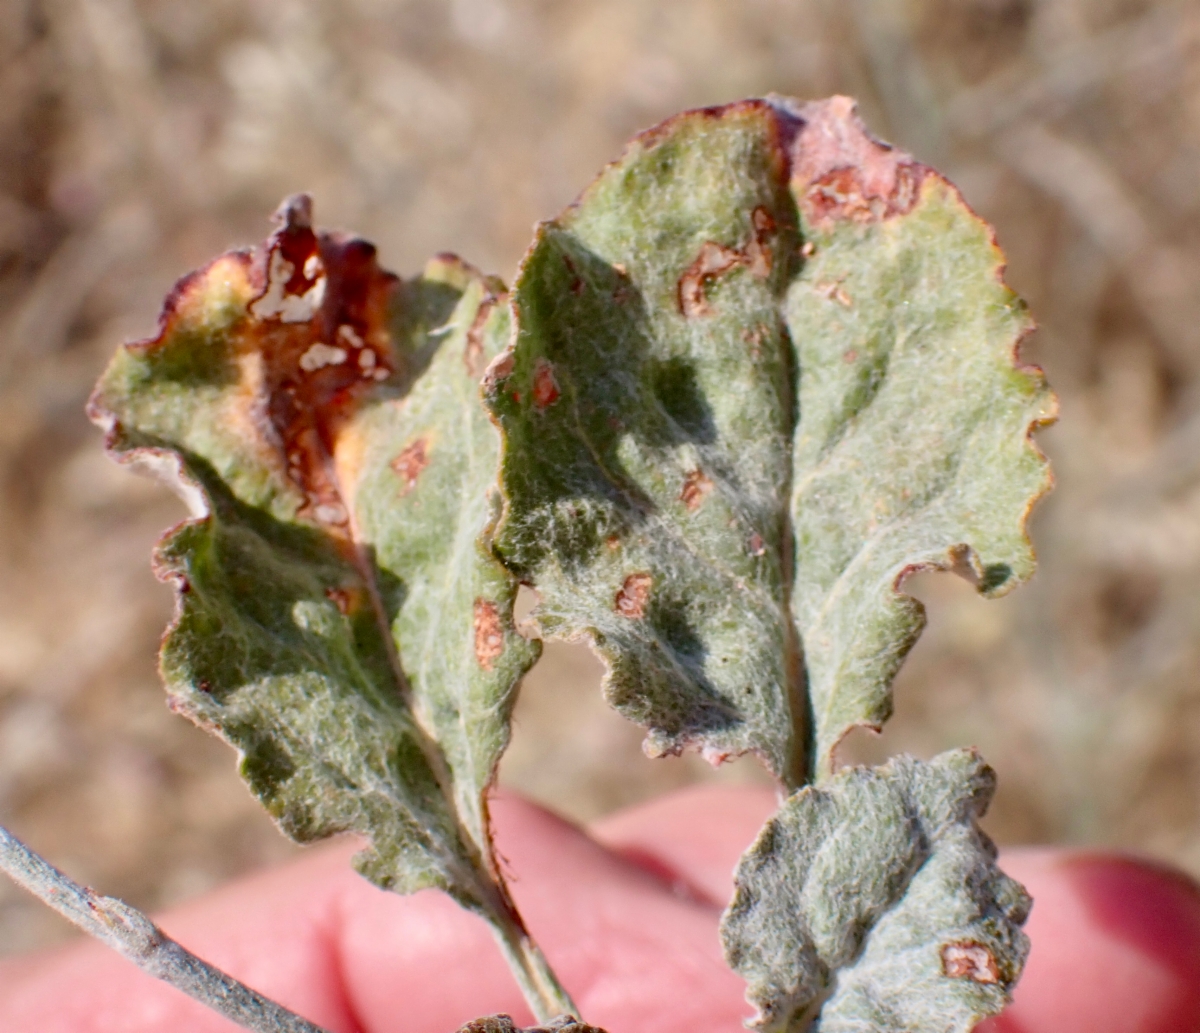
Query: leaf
point(875, 899)
point(763, 369)
point(337, 619)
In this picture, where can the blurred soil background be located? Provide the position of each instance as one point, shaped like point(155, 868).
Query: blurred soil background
point(139, 138)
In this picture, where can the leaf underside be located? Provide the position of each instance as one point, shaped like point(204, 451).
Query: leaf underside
point(874, 899)
point(337, 620)
point(763, 368)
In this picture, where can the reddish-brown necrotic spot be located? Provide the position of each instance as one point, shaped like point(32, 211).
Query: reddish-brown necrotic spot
point(314, 343)
point(969, 960)
point(715, 259)
point(545, 387)
point(411, 461)
point(489, 635)
point(696, 486)
point(633, 596)
point(347, 600)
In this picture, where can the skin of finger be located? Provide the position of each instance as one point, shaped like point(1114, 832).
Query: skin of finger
point(633, 953)
point(1116, 939)
point(1116, 946)
point(325, 942)
point(1104, 929)
point(691, 838)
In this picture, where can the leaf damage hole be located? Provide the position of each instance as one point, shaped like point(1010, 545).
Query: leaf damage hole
point(411, 461)
point(634, 595)
point(970, 960)
point(696, 486)
point(489, 636)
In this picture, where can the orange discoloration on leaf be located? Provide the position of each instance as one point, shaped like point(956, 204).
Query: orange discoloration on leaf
point(840, 171)
point(489, 635)
point(545, 387)
point(411, 461)
point(970, 960)
point(634, 595)
point(696, 486)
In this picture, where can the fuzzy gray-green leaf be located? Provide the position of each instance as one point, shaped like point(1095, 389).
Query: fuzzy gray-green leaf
point(873, 903)
point(763, 368)
point(338, 621)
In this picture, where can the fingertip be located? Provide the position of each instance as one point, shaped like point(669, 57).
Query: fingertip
point(1115, 946)
point(692, 837)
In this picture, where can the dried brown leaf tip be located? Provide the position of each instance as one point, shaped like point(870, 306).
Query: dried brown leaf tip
point(413, 458)
point(696, 486)
point(970, 960)
point(715, 259)
point(840, 171)
point(634, 595)
point(489, 635)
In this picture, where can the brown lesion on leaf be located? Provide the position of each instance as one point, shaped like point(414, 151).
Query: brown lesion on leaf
point(833, 290)
point(633, 596)
point(715, 260)
point(489, 633)
point(696, 486)
point(347, 599)
point(313, 344)
point(840, 172)
point(413, 458)
point(970, 960)
point(474, 355)
point(545, 386)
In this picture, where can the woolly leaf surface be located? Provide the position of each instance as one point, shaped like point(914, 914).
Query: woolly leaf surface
point(872, 902)
point(763, 368)
point(337, 619)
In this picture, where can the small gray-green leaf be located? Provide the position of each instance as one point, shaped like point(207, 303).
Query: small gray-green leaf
point(338, 620)
point(764, 367)
point(873, 903)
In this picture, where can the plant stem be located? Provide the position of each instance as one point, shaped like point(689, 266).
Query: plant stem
point(131, 933)
point(543, 993)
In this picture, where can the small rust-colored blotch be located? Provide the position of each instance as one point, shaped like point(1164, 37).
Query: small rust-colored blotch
point(757, 547)
point(849, 356)
point(545, 387)
point(758, 251)
point(969, 960)
point(713, 260)
point(489, 636)
point(345, 599)
point(834, 291)
point(696, 485)
point(633, 596)
point(410, 462)
point(613, 541)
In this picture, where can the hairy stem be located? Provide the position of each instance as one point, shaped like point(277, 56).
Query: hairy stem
point(543, 992)
point(132, 934)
